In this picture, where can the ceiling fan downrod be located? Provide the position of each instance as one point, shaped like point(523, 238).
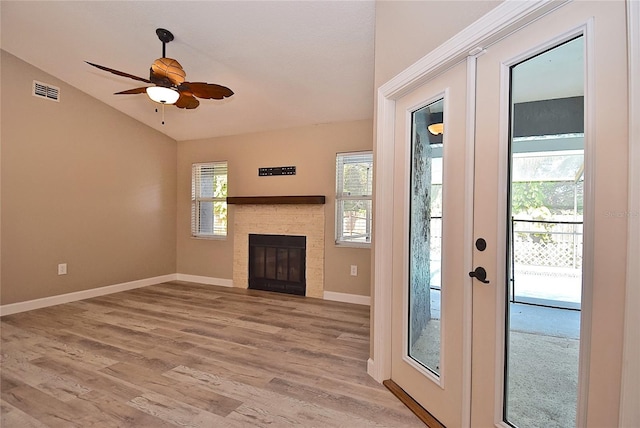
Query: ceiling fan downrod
point(165, 37)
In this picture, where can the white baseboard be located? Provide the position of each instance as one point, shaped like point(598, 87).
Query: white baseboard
point(44, 302)
point(205, 280)
point(372, 370)
point(347, 298)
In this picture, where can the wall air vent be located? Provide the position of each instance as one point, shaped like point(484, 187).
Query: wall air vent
point(44, 90)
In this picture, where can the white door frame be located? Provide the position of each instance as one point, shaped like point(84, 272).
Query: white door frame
point(495, 25)
point(630, 391)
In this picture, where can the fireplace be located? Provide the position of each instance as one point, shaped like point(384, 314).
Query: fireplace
point(277, 263)
point(280, 219)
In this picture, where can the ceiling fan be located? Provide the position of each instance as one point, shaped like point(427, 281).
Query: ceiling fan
point(168, 79)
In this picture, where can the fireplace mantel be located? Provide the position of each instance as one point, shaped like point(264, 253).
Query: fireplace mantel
point(276, 200)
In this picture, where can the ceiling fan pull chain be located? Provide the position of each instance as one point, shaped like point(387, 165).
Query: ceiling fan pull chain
point(163, 113)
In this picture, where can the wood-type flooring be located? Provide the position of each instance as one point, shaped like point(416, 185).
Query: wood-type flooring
point(191, 355)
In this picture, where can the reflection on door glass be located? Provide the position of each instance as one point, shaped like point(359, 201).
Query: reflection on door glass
point(426, 236)
point(545, 257)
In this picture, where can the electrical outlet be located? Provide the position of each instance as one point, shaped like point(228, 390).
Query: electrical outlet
point(62, 269)
point(354, 270)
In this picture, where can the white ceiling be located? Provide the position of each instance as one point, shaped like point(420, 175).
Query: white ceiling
point(290, 63)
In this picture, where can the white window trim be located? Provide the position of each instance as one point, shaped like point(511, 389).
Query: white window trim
point(195, 200)
point(339, 198)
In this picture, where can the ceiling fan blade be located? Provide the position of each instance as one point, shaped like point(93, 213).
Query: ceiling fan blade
point(119, 73)
point(133, 91)
point(187, 101)
point(207, 90)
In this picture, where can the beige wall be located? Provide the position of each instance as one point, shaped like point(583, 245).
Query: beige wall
point(85, 185)
point(82, 184)
point(312, 150)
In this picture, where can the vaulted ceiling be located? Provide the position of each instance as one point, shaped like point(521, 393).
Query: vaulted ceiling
point(290, 63)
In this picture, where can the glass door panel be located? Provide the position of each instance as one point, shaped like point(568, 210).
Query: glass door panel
point(425, 230)
point(546, 210)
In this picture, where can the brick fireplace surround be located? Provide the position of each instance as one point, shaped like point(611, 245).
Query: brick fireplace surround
point(272, 219)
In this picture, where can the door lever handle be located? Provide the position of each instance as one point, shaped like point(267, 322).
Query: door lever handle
point(480, 274)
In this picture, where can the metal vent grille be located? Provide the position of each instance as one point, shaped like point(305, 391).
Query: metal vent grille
point(43, 90)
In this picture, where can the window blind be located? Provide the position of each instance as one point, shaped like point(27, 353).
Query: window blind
point(209, 199)
point(354, 191)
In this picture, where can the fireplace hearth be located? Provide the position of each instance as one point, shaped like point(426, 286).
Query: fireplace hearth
point(277, 263)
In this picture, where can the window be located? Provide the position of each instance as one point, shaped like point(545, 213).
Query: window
point(354, 188)
point(209, 199)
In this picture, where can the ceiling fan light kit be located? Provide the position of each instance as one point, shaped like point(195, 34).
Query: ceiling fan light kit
point(168, 79)
point(163, 95)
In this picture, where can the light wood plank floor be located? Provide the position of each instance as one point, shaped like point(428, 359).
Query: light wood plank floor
point(184, 354)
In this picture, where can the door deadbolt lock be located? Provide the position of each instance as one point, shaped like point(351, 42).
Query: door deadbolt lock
point(481, 244)
point(480, 274)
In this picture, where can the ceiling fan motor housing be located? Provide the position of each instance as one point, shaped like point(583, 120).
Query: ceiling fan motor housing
point(169, 68)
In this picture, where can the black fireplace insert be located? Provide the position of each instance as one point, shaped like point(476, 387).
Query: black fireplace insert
point(277, 263)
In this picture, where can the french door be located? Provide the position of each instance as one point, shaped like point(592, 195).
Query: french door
point(428, 294)
point(452, 236)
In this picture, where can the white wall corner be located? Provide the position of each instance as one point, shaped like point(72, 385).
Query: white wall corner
point(44, 302)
